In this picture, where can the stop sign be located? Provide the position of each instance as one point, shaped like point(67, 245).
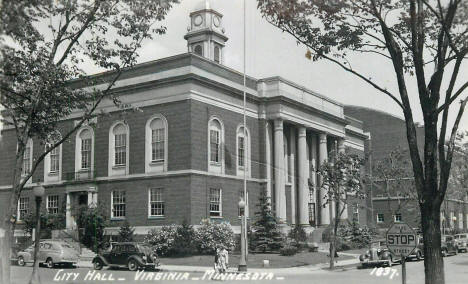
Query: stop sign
point(401, 239)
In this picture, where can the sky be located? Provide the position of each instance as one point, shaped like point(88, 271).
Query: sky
point(271, 52)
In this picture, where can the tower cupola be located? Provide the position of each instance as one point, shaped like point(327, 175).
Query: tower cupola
point(205, 35)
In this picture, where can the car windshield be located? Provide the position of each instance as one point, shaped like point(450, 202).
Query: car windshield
point(65, 245)
point(145, 249)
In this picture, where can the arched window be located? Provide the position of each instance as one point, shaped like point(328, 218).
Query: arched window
point(217, 54)
point(27, 157)
point(120, 145)
point(84, 152)
point(156, 144)
point(86, 149)
point(53, 160)
point(198, 49)
point(243, 150)
point(118, 149)
point(215, 145)
point(157, 140)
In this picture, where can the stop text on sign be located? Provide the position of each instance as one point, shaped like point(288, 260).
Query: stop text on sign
point(399, 239)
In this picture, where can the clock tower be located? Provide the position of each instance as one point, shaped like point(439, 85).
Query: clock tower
point(205, 35)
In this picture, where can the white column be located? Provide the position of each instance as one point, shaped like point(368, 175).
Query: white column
point(292, 158)
point(268, 154)
point(68, 217)
point(341, 150)
point(302, 165)
point(323, 156)
point(280, 196)
point(313, 174)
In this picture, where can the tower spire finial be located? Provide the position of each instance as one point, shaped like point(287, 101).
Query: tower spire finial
point(207, 4)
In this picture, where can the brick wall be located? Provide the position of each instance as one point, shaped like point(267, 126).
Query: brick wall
point(200, 114)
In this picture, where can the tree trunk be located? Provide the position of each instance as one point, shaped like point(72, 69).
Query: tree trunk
point(10, 220)
point(332, 251)
point(433, 261)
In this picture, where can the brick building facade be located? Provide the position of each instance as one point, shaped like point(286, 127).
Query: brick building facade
point(183, 156)
point(388, 132)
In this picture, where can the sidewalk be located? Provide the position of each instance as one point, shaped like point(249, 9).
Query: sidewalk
point(348, 264)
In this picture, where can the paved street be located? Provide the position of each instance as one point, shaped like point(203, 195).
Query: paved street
point(456, 273)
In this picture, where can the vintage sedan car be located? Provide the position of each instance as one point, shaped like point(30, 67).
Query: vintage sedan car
point(418, 252)
point(462, 242)
point(127, 254)
point(449, 245)
point(378, 255)
point(51, 252)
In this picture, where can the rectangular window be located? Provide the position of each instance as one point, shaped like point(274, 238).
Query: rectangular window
point(356, 213)
point(397, 217)
point(241, 150)
point(215, 202)
point(55, 160)
point(214, 146)
point(86, 153)
point(53, 204)
point(157, 145)
point(240, 211)
point(26, 160)
point(452, 217)
point(156, 202)
point(311, 208)
point(23, 207)
point(118, 204)
point(380, 218)
point(120, 149)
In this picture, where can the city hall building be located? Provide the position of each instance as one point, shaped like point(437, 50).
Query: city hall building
point(184, 154)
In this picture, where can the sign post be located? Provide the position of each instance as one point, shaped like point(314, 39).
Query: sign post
point(401, 240)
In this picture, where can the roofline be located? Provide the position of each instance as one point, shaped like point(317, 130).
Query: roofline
point(301, 87)
point(375, 110)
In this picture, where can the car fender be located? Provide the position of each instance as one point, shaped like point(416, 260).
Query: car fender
point(138, 259)
point(103, 259)
point(26, 256)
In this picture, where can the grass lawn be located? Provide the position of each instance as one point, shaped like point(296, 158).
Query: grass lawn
point(255, 260)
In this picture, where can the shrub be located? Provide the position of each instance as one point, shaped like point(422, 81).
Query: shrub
point(288, 251)
point(162, 240)
point(126, 232)
point(355, 236)
point(265, 235)
point(299, 236)
point(211, 234)
point(92, 222)
point(184, 243)
point(49, 222)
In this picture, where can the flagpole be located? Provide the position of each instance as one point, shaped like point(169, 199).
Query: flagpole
point(244, 243)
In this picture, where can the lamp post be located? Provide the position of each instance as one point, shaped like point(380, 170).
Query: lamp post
point(242, 261)
point(38, 194)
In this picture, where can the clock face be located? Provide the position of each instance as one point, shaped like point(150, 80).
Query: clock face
point(216, 21)
point(198, 20)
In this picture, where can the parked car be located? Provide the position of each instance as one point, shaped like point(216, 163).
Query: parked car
point(449, 245)
point(50, 252)
point(378, 255)
point(127, 254)
point(418, 252)
point(462, 242)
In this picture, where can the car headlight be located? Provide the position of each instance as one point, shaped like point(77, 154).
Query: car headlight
point(144, 257)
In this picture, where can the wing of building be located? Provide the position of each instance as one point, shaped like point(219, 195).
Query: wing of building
point(390, 201)
point(184, 155)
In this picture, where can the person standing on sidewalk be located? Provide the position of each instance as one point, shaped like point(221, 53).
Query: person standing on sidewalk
point(216, 259)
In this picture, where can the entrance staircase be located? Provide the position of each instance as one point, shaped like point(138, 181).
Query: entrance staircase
point(71, 237)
